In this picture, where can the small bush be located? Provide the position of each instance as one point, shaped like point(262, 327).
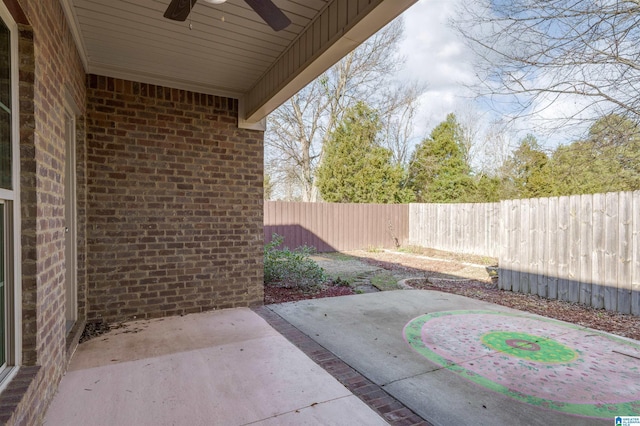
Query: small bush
point(291, 268)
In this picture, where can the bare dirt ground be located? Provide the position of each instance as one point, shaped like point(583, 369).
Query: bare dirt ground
point(471, 276)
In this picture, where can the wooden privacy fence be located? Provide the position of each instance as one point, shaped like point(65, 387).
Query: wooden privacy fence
point(460, 228)
point(337, 227)
point(583, 248)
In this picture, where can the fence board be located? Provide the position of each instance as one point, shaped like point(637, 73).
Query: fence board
point(542, 240)
point(624, 252)
point(504, 271)
point(477, 226)
point(563, 248)
point(598, 258)
point(635, 270)
point(552, 241)
point(586, 244)
point(534, 216)
point(514, 242)
point(611, 251)
point(574, 249)
point(523, 252)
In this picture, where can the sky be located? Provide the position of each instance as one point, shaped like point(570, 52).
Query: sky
point(437, 57)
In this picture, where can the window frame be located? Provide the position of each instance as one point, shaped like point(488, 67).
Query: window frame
point(11, 201)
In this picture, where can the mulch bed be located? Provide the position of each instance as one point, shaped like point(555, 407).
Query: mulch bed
point(598, 319)
point(275, 294)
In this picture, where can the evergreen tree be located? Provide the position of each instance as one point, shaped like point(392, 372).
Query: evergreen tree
point(438, 172)
point(526, 173)
point(487, 189)
point(355, 168)
point(299, 129)
point(608, 160)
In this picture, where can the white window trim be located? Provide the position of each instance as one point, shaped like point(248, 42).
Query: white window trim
point(71, 111)
point(14, 285)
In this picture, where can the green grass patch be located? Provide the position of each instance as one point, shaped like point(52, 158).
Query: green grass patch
point(342, 282)
point(384, 281)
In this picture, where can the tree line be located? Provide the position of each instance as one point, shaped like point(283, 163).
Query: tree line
point(345, 137)
point(356, 168)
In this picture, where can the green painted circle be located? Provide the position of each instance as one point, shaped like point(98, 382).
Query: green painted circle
point(413, 336)
point(529, 347)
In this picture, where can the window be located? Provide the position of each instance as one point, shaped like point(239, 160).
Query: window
point(9, 200)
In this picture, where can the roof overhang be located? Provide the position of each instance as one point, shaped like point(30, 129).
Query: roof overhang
point(240, 58)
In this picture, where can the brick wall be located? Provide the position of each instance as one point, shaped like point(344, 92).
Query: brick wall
point(50, 72)
point(174, 202)
point(169, 203)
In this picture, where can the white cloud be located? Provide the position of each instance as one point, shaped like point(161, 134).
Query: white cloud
point(437, 57)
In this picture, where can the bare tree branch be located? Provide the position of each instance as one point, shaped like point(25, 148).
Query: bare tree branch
point(298, 130)
point(538, 52)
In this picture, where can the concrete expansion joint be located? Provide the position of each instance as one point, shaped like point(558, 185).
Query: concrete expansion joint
point(296, 410)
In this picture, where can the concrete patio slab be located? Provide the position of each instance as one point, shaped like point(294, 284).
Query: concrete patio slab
point(220, 368)
point(447, 358)
point(367, 328)
point(455, 360)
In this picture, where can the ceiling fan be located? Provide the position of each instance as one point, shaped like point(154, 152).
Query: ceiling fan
point(179, 10)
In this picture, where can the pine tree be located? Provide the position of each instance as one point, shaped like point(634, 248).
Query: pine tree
point(438, 172)
point(527, 173)
point(607, 161)
point(355, 168)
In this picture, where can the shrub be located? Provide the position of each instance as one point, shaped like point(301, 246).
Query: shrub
point(291, 268)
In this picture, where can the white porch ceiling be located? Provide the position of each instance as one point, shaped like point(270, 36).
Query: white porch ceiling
point(240, 57)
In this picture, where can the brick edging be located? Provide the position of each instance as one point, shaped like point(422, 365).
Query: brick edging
point(392, 410)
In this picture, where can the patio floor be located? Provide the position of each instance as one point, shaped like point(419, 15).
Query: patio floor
point(456, 360)
point(224, 367)
point(402, 357)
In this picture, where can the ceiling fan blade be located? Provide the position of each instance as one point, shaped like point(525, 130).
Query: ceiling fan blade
point(271, 14)
point(178, 10)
